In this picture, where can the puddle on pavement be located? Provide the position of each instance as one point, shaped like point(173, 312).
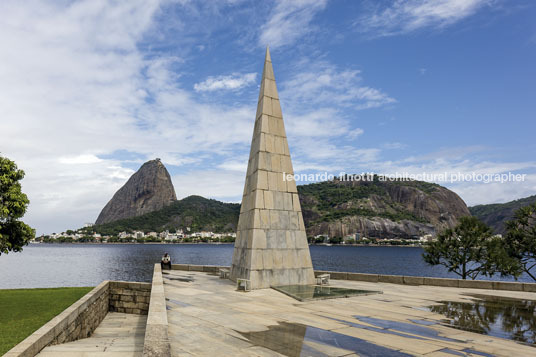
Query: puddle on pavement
point(293, 340)
point(186, 279)
point(496, 316)
point(403, 329)
point(317, 292)
point(424, 322)
point(477, 353)
point(408, 330)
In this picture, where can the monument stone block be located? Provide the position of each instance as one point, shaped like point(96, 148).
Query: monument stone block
point(271, 245)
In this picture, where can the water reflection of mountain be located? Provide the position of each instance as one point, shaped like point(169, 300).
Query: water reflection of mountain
point(493, 315)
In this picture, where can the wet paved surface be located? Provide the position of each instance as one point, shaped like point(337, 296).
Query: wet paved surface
point(316, 292)
point(118, 335)
point(208, 317)
point(504, 317)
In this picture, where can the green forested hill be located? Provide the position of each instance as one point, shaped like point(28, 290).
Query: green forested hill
point(332, 200)
point(379, 208)
point(196, 212)
point(383, 209)
point(497, 214)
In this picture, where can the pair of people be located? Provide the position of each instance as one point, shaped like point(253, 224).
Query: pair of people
point(166, 261)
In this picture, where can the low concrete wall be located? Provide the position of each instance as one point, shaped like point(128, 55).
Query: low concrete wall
point(77, 321)
point(419, 280)
point(191, 267)
point(445, 282)
point(129, 297)
point(156, 341)
point(395, 279)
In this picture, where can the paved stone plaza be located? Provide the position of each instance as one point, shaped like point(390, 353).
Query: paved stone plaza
point(208, 317)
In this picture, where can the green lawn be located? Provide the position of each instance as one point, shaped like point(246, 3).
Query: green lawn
point(22, 311)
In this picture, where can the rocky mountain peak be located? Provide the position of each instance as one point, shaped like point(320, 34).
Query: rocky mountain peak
point(376, 209)
point(148, 190)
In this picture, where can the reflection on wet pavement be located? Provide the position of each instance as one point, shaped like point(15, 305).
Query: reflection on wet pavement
point(176, 302)
point(424, 322)
point(185, 279)
point(376, 329)
point(293, 340)
point(317, 292)
point(492, 315)
point(452, 352)
point(478, 353)
point(389, 325)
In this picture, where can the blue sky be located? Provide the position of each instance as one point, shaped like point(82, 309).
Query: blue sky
point(92, 89)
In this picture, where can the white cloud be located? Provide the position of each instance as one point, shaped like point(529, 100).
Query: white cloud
point(495, 192)
point(225, 185)
point(352, 134)
point(321, 122)
point(320, 155)
point(324, 84)
point(234, 81)
point(239, 164)
point(405, 16)
point(75, 88)
point(394, 145)
point(289, 21)
point(473, 191)
point(319, 106)
point(80, 159)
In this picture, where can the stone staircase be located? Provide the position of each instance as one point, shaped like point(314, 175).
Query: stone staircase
point(118, 334)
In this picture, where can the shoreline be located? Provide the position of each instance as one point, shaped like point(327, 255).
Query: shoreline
point(215, 243)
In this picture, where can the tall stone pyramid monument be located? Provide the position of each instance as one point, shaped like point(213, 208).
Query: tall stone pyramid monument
point(271, 245)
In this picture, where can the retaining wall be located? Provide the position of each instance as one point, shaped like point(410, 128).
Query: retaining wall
point(395, 279)
point(77, 321)
point(129, 297)
point(205, 268)
point(82, 318)
point(420, 280)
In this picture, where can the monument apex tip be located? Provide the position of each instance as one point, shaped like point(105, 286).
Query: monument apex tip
point(267, 58)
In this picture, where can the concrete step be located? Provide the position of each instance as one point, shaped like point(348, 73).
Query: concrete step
point(117, 335)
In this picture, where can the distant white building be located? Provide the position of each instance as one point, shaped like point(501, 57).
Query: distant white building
point(324, 237)
point(138, 234)
point(427, 238)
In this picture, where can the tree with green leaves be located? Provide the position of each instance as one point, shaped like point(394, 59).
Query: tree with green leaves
point(465, 250)
point(520, 239)
point(14, 233)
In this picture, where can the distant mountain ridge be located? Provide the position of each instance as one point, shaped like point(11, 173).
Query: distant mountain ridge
point(382, 209)
point(194, 212)
point(497, 214)
point(379, 208)
point(148, 190)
